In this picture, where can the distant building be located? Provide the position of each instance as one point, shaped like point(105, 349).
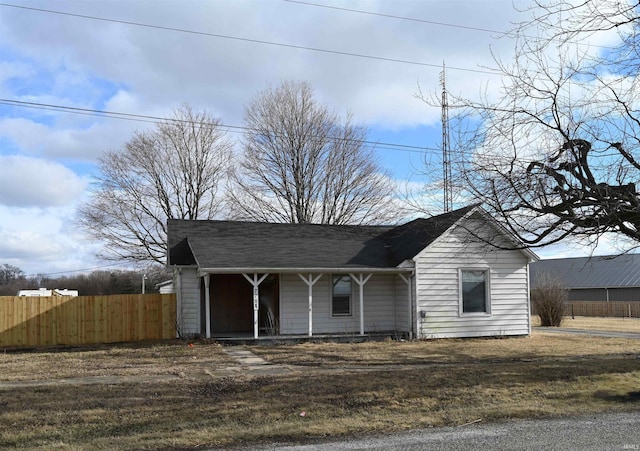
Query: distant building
point(607, 278)
point(165, 287)
point(44, 292)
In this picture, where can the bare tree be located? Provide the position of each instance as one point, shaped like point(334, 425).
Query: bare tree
point(10, 273)
point(171, 172)
point(556, 155)
point(303, 164)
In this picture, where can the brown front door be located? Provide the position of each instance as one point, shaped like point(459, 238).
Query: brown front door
point(231, 304)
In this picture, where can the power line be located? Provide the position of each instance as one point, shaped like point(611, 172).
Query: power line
point(255, 41)
point(433, 22)
point(30, 276)
point(159, 119)
point(391, 16)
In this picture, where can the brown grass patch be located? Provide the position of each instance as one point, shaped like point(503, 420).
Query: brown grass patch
point(536, 347)
point(131, 359)
point(442, 382)
point(225, 412)
point(602, 324)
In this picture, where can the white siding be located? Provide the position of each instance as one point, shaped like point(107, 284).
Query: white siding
point(188, 301)
point(379, 306)
point(402, 304)
point(166, 289)
point(437, 269)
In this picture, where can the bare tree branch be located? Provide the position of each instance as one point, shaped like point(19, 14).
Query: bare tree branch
point(171, 172)
point(557, 154)
point(303, 164)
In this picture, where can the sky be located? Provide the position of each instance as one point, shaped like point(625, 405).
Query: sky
point(147, 57)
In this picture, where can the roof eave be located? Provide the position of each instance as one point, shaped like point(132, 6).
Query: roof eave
point(285, 270)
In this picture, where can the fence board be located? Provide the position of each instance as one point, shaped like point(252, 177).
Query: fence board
point(39, 321)
point(615, 309)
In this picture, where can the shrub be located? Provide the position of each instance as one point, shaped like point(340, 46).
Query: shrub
point(548, 300)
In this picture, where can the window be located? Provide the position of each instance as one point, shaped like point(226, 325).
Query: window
point(474, 291)
point(341, 295)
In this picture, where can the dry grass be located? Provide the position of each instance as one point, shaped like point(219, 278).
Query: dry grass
point(133, 359)
point(233, 412)
point(538, 346)
point(442, 382)
point(604, 324)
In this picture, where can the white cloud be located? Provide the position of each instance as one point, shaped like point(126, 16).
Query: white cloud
point(9, 70)
point(44, 240)
point(77, 140)
point(33, 182)
point(167, 67)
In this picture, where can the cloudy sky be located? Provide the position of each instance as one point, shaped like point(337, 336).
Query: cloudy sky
point(147, 57)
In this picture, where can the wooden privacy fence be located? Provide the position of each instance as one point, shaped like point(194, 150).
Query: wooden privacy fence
point(39, 321)
point(617, 309)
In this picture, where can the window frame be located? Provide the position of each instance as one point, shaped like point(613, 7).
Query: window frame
point(487, 291)
point(332, 294)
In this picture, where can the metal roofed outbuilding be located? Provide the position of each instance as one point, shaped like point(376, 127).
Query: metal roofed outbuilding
point(602, 278)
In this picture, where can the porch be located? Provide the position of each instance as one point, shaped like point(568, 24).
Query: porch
point(287, 306)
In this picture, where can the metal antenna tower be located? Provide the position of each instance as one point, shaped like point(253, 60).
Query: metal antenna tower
point(446, 151)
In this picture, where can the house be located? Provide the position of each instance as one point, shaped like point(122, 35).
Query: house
point(45, 292)
point(428, 278)
point(604, 278)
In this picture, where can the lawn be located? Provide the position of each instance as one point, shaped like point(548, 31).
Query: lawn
point(331, 390)
point(131, 359)
point(604, 324)
point(539, 347)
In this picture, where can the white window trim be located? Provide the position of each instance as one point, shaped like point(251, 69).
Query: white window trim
point(487, 293)
point(340, 315)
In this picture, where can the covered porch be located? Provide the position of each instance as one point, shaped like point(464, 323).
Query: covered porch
point(275, 304)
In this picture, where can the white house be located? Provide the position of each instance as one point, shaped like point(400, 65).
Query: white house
point(454, 275)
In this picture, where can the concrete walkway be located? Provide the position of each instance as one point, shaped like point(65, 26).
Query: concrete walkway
point(244, 356)
point(253, 364)
point(592, 333)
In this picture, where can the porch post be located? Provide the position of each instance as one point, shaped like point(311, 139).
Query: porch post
point(410, 321)
point(310, 283)
point(178, 289)
point(361, 280)
point(207, 306)
point(255, 282)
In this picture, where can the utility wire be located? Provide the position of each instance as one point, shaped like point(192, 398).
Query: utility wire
point(432, 22)
point(255, 41)
point(76, 270)
point(391, 16)
point(158, 119)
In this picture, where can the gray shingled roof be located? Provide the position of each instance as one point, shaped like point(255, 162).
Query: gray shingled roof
point(591, 272)
point(233, 244)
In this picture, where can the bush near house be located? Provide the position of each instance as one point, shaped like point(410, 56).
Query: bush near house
point(548, 300)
